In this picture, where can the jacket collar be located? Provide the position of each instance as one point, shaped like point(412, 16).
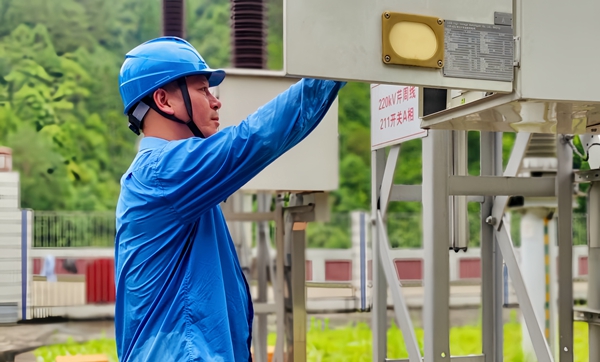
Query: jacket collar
point(151, 143)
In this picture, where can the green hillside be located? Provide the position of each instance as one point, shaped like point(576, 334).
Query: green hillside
point(61, 112)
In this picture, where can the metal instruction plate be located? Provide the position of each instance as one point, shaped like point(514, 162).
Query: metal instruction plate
point(478, 51)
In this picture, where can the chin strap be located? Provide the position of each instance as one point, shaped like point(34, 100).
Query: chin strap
point(139, 111)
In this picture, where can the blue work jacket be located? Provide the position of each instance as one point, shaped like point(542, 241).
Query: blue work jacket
point(181, 294)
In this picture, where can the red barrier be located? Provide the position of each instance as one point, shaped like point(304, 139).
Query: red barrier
point(59, 267)
point(338, 270)
point(583, 265)
point(469, 268)
point(100, 281)
point(37, 266)
point(409, 269)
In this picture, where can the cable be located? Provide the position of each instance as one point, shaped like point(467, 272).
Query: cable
point(574, 148)
point(585, 157)
point(593, 144)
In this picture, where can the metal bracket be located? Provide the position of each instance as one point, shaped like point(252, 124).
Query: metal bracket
point(300, 214)
point(249, 216)
point(540, 344)
point(300, 209)
point(512, 170)
point(388, 178)
point(334, 285)
point(400, 307)
point(590, 316)
point(517, 61)
point(504, 19)
point(582, 176)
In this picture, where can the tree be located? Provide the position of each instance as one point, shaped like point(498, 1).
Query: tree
point(66, 20)
point(208, 29)
point(49, 93)
point(41, 170)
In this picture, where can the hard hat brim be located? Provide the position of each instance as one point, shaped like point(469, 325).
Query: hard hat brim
point(214, 76)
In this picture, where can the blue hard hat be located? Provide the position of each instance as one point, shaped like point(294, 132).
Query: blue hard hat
point(158, 62)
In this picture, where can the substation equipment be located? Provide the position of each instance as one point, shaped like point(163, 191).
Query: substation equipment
point(527, 67)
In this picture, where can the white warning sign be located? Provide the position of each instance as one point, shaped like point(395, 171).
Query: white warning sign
point(394, 115)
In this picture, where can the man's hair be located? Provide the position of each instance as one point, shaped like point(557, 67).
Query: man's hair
point(171, 87)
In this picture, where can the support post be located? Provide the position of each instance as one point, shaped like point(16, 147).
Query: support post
point(262, 261)
point(498, 264)
point(236, 205)
point(593, 292)
point(385, 190)
point(491, 271)
point(533, 239)
point(379, 292)
point(459, 225)
point(24, 262)
point(296, 218)
point(436, 238)
point(564, 194)
point(279, 283)
point(359, 228)
point(400, 308)
point(298, 287)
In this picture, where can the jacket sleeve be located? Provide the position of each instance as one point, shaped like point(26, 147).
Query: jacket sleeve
point(196, 174)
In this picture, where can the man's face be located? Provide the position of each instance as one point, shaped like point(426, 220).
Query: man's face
point(205, 106)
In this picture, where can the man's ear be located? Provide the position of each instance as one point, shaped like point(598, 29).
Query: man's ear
point(163, 101)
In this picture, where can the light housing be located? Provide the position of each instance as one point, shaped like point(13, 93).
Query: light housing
point(415, 40)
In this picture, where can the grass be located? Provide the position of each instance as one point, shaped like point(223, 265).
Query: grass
point(353, 343)
point(102, 345)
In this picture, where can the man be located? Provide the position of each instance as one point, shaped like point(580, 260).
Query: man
point(181, 294)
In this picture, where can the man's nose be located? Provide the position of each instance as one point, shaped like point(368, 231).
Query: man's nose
point(216, 103)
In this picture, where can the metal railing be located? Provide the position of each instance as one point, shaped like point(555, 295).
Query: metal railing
point(57, 229)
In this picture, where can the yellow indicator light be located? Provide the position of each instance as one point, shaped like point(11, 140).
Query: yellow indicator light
point(412, 40)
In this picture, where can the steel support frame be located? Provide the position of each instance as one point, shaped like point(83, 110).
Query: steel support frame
point(499, 185)
point(296, 292)
point(593, 292)
point(491, 260)
point(496, 244)
point(590, 314)
point(278, 356)
point(436, 239)
point(512, 169)
point(384, 274)
point(263, 257)
point(564, 195)
point(504, 244)
point(289, 276)
point(458, 170)
point(262, 308)
point(400, 306)
point(540, 344)
point(379, 292)
point(291, 256)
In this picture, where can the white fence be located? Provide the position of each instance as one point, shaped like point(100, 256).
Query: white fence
point(78, 293)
